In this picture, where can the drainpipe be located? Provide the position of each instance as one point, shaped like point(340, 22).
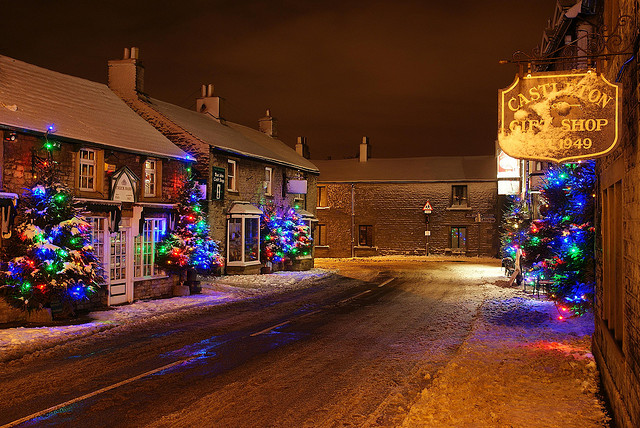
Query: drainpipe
point(353, 219)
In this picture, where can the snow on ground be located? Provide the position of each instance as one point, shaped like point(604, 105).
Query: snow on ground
point(15, 342)
point(519, 367)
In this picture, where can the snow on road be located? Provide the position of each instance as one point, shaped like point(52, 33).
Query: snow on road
point(15, 342)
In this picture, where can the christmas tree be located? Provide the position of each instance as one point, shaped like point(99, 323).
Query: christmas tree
point(189, 246)
point(513, 230)
point(559, 247)
point(49, 257)
point(285, 236)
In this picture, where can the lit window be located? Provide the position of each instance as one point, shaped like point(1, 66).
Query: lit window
point(152, 232)
point(268, 176)
point(232, 175)
point(87, 177)
point(322, 196)
point(365, 236)
point(150, 176)
point(243, 241)
point(97, 237)
point(459, 196)
point(459, 238)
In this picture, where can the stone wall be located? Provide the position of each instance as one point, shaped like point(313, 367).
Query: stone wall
point(155, 288)
point(399, 224)
point(619, 361)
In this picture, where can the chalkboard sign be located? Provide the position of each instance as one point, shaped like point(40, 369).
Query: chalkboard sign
point(217, 183)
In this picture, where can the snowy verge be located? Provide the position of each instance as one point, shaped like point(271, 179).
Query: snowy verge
point(520, 366)
point(20, 341)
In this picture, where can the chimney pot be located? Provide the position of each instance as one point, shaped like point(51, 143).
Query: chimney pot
point(302, 148)
point(210, 90)
point(268, 125)
point(127, 53)
point(203, 91)
point(364, 149)
point(134, 53)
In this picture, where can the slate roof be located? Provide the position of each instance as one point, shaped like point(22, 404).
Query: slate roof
point(232, 137)
point(33, 98)
point(418, 169)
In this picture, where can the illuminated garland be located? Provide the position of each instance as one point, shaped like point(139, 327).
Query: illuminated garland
point(49, 258)
point(189, 245)
point(559, 246)
point(285, 236)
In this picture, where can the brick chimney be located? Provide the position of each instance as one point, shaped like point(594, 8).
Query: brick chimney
point(208, 103)
point(268, 125)
point(302, 148)
point(364, 149)
point(126, 75)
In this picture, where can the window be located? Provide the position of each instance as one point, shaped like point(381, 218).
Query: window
point(613, 275)
point(322, 196)
point(232, 175)
point(145, 255)
point(458, 196)
point(150, 176)
point(96, 237)
point(365, 236)
point(268, 176)
point(243, 241)
point(321, 235)
point(87, 178)
point(459, 238)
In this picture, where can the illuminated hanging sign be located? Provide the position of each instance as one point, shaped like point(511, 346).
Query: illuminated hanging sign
point(559, 117)
point(508, 167)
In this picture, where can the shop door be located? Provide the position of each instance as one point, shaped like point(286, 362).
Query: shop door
point(119, 281)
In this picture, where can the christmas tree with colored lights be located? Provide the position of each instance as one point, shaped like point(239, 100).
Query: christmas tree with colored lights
point(513, 229)
point(189, 245)
point(49, 257)
point(560, 245)
point(285, 236)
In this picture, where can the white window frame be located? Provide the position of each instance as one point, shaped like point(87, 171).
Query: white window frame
point(89, 163)
point(268, 180)
point(148, 183)
point(243, 226)
point(232, 175)
point(98, 239)
point(144, 265)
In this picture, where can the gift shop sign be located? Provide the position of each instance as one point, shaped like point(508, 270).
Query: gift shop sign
point(559, 117)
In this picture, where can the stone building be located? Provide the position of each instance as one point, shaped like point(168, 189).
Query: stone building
point(616, 341)
point(369, 206)
point(244, 168)
point(124, 171)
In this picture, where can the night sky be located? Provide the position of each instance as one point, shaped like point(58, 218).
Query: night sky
point(419, 78)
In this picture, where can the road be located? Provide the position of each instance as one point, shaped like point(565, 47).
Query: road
point(344, 352)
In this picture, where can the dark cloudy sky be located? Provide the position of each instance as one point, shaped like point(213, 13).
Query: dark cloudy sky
point(420, 78)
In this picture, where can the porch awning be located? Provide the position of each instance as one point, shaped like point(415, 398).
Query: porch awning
point(244, 208)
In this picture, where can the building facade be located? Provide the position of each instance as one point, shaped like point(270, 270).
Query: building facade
point(120, 168)
point(416, 206)
point(244, 169)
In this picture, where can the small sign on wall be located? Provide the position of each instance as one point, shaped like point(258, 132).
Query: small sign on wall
point(124, 185)
point(218, 178)
point(297, 186)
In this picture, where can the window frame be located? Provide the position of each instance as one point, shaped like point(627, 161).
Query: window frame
point(457, 200)
point(232, 175)
point(148, 194)
point(457, 239)
point(368, 235)
point(243, 239)
point(268, 175)
point(322, 201)
point(139, 254)
point(89, 163)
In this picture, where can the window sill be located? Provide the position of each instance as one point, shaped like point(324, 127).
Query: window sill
point(459, 209)
point(365, 247)
point(147, 278)
point(322, 208)
point(252, 263)
point(322, 246)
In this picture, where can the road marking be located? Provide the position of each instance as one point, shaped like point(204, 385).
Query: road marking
point(354, 297)
point(94, 393)
point(266, 330)
point(386, 282)
point(309, 313)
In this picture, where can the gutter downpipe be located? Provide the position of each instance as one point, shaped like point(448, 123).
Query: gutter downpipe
point(353, 219)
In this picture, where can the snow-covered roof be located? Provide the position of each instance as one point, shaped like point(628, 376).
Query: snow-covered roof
point(232, 137)
point(444, 168)
point(243, 207)
point(34, 98)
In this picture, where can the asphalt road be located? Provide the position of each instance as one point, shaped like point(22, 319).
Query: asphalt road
point(344, 352)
